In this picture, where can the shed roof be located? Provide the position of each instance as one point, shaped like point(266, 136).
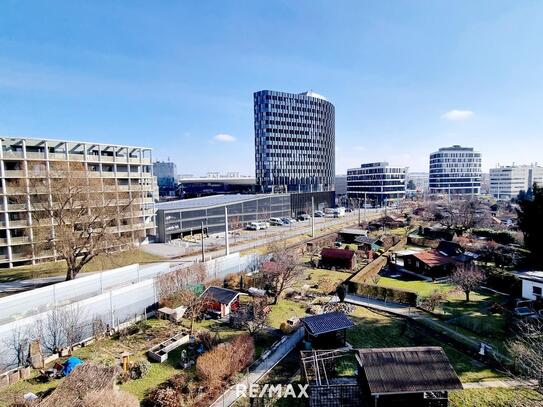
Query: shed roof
point(432, 258)
point(407, 370)
point(450, 248)
point(354, 231)
point(325, 323)
point(331, 252)
point(219, 294)
point(366, 240)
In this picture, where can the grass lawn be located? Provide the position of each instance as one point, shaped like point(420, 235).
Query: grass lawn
point(100, 263)
point(472, 318)
point(283, 310)
point(495, 397)
point(376, 330)
point(313, 276)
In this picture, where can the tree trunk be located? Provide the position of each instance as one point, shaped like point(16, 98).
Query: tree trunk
point(467, 295)
point(275, 298)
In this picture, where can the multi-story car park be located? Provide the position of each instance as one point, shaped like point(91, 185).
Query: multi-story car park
point(455, 170)
point(128, 171)
point(176, 219)
point(376, 183)
point(506, 182)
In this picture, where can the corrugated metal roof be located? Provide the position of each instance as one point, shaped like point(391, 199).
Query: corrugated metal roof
point(208, 201)
point(337, 253)
point(407, 370)
point(324, 323)
point(219, 294)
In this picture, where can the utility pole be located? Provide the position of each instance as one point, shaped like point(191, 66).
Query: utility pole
point(226, 231)
point(365, 206)
point(203, 249)
point(312, 216)
point(359, 212)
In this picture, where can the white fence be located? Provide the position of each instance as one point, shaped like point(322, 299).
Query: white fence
point(126, 294)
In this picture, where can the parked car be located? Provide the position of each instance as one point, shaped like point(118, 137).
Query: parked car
point(348, 209)
point(319, 214)
point(304, 216)
point(257, 225)
point(288, 221)
point(276, 222)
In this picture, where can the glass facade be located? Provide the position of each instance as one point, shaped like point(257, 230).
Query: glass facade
point(174, 223)
point(377, 183)
point(294, 142)
point(455, 170)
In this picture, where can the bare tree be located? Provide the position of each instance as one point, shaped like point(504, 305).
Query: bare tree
point(196, 305)
point(168, 284)
point(467, 277)
point(527, 352)
point(253, 316)
point(72, 321)
point(16, 346)
point(76, 216)
point(285, 272)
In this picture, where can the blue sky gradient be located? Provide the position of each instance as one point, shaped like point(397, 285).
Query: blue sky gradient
point(173, 75)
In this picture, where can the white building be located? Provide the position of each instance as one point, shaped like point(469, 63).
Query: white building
point(420, 179)
point(376, 183)
point(507, 181)
point(125, 171)
point(532, 285)
point(455, 170)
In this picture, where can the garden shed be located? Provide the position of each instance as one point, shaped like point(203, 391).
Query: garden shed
point(326, 330)
point(338, 258)
point(221, 301)
point(410, 376)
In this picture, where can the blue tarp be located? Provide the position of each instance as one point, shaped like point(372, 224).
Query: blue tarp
point(70, 365)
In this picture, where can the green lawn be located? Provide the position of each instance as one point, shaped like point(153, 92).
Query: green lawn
point(283, 310)
point(100, 263)
point(313, 276)
point(422, 288)
point(495, 397)
point(376, 330)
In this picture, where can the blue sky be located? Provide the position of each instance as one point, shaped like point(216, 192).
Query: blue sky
point(174, 75)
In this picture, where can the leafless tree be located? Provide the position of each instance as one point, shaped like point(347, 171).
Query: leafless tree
point(467, 277)
point(527, 352)
point(16, 346)
point(253, 316)
point(196, 305)
point(72, 321)
point(168, 284)
point(76, 216)
point(286, 269)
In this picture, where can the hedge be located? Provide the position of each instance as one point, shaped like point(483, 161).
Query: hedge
point(499, 236)
point(383, 293)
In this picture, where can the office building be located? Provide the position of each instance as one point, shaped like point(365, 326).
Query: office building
point(455, 170)
point(418, 180)
point(166, 174)
point(125, 171)
point(376, 183)
point(506, 182)
point(184, 217)
point(215, 183)
point(295, 145)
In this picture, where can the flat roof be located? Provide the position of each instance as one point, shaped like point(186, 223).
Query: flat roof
point(213, 200)
point(531, 275)
point(41, 140)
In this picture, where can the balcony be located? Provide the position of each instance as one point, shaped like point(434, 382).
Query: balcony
point(31, 155)
point(18, 223)
point(20, 240)
point(76, 157)
point(14, 173)
point(13, 154)
point(16, 207)
point(3, 241)
point(57, 156)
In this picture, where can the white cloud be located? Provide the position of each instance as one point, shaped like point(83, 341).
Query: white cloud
point(224, 137)
point(457, 115)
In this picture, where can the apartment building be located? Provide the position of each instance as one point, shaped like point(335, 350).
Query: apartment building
point(507, 181)
point(376, 183)
point(125, 171)
point(455, 170)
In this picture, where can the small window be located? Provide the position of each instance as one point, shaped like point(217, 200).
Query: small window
point(536, 290)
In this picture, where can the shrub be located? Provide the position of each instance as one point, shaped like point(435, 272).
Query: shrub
point(499, 236)
point(503, 281)
point(285, 328)
point(179, 382)
point(384, 293)
point(213, 367)
point(243, 351)
point(207, 339)
point(162, 397)
point(140, 369)
point(109, 398)
point(341, 291)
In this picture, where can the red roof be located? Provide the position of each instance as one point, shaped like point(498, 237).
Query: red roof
point(432, 258)
point(337, 253)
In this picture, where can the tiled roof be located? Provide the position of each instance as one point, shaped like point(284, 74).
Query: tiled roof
point(433, 258)
point(407, 370)
point(324, 323)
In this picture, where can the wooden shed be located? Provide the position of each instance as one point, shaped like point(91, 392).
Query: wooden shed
point(338, 258)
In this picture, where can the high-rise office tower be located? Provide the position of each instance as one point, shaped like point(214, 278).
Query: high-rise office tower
point(294, 142)
point(455, 170)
